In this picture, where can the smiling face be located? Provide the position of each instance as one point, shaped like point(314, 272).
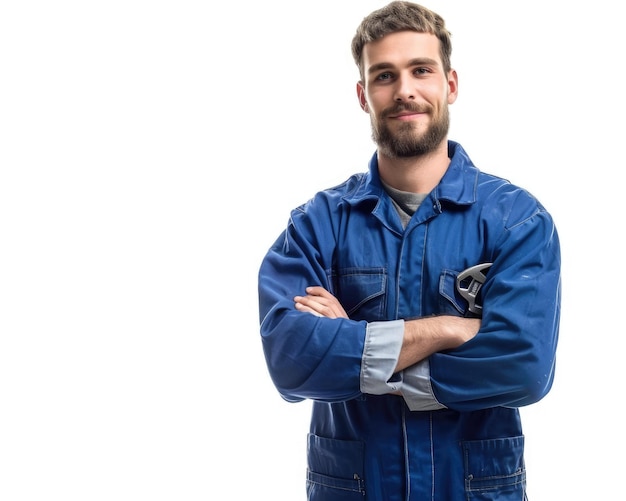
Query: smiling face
point(406, 92)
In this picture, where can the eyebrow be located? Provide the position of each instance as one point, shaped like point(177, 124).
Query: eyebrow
point(419, 61)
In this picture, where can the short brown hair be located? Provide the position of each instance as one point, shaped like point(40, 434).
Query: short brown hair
point(401, 16)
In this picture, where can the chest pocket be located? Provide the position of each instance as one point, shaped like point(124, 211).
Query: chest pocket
point(450, 300)
point(361, 291)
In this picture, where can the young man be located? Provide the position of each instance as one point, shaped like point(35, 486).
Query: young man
point(417, 305)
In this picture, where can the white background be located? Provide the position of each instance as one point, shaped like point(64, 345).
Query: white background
point(150, 153)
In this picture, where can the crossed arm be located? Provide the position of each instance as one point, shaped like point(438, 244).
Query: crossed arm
point(422, 336)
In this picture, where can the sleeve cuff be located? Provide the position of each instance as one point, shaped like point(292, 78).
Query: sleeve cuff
point(417, 390)
point(383, 341)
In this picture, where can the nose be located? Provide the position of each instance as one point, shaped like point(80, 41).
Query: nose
point(405, 89)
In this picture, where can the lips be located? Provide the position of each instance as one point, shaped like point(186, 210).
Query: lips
point(401, 115)
point(403, 111)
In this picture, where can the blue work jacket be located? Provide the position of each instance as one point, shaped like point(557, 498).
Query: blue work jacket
point(454, 433)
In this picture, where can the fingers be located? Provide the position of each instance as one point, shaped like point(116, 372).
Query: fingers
point(315, 304)
point(302, 307)
point(318, 291)
point(320, 302)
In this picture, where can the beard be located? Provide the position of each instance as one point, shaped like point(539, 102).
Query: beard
point(406, 142)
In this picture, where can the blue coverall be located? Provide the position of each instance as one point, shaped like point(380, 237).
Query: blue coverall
point(455, 431)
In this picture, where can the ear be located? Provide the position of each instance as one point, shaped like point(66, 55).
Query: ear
point(453, 86)
point(360, 92)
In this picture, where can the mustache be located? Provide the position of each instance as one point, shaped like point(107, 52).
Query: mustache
point(404, 107)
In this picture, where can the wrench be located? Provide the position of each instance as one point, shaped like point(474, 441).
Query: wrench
point(469, 283)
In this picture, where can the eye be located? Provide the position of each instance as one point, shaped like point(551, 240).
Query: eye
point(421, 71)
point(384, 76)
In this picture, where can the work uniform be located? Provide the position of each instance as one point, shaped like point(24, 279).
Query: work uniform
point(453, 432)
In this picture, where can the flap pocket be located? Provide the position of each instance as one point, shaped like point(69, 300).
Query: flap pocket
point(494, 465)
point(450, 299)
point(361, 291)
point(335, 464)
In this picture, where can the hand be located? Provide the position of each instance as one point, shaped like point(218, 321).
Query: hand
point(320, 302)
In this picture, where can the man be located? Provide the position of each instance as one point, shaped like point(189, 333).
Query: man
point(417, 305)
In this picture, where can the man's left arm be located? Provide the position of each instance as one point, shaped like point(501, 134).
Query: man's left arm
point(511, 361)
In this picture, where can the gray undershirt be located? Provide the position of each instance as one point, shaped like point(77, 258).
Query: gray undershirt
point(405, 202)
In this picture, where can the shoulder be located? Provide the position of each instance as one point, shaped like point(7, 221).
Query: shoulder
point(512, 204)
point(333, 198)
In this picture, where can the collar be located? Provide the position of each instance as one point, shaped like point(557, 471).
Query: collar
point(457, 186)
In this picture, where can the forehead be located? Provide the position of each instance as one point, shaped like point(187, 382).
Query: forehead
point(397, 49)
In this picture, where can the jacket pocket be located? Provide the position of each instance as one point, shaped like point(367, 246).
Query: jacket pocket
point(335, 469)
point(450, 301)
point(494, 469)
point(361, 291)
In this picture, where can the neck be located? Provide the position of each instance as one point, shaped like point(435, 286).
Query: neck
point(418, 174)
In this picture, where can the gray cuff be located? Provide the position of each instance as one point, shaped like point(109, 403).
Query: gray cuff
point(383, 342)
point(417, 390)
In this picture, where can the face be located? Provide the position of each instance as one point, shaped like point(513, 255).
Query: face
point(406, 93)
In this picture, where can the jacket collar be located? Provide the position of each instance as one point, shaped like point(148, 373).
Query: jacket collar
point(458, 185)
